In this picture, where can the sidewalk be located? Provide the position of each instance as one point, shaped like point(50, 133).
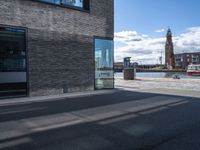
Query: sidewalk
point(182, 87)
point(100, 120)
point(26, 100)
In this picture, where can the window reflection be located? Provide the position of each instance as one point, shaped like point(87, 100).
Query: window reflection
point(76, 3)
point(104, 64)
point(12, 61)
point(12, 50)
point(52, 1)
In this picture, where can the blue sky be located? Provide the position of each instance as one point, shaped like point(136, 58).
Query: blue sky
point(149, 19)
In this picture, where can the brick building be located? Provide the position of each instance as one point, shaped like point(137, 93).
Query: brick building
point(184, 59)
point(55, 46)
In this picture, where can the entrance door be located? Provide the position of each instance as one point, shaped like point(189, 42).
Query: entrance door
point(13, 80)
point(104, 76)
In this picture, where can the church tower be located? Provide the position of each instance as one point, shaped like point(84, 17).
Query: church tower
point(169, 51)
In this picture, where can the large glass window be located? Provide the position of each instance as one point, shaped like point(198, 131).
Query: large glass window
point(104, 76)
point(75, 3)
point(12, 62)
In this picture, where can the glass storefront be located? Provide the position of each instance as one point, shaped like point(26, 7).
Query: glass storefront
point(13, 80)
point(104, 74)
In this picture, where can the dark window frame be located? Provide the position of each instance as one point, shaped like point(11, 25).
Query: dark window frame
point(85, 8)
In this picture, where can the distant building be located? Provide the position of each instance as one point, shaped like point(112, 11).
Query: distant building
point(169, 51)
point(184, 59)
point(119, 66)
point(134, 64)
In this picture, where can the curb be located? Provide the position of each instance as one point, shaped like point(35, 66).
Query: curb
point(28, 100)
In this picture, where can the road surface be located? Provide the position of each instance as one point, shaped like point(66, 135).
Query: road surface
point(119, 120)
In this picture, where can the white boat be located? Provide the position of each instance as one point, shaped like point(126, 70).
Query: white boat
point(193, 70)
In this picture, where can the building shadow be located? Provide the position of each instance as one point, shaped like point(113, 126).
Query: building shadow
point(123, 120)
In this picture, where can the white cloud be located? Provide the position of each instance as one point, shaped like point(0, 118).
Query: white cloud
point(140, 47)
point(147, 50)
point(126, 36)
point(160, 30)
point(188, 41)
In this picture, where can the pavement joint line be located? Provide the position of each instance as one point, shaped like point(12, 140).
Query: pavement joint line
point(154, 110)
point(177, 104)
point(60, 125)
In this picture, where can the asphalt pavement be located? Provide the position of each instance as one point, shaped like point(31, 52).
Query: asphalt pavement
point(118, 120)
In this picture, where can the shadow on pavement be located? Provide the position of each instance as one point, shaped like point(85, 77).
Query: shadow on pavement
point(123, 120)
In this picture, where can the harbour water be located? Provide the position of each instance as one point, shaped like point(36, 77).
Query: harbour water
point(158, 75)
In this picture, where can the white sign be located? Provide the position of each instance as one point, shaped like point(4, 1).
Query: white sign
point(104, 74)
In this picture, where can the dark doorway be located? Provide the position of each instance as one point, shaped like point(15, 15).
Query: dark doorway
point(13, 80)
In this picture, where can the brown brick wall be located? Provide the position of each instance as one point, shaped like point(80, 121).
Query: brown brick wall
point(60, 42)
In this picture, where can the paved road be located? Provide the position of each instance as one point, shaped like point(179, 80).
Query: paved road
point(119, 120)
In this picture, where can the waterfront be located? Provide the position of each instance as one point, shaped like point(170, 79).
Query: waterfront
point(158, 75)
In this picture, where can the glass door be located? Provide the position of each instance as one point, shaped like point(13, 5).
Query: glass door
point(104, 74)
point(13, 80)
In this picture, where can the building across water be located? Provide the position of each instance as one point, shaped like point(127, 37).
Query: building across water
point(55, 46)
point(184, 59)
